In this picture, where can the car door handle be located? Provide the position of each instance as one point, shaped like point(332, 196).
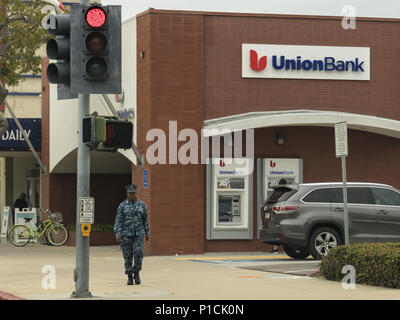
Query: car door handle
point(383, 212)
point(338, 209)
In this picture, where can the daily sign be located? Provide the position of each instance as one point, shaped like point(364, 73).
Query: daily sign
point(305, 62)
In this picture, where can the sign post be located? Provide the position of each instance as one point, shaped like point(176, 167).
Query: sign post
point(4, 225)
point(81, 272)
point(342, 152)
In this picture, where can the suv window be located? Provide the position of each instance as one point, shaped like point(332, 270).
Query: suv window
point(281, 194)
point(359, 195)
point(386, 197)
point(322, 195)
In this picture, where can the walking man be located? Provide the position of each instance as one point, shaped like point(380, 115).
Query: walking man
point(131, 226)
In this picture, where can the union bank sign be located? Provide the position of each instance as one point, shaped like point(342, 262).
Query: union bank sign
point(305, 62)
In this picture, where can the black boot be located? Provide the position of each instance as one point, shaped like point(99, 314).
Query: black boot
point(137, 278)
point(130, 280)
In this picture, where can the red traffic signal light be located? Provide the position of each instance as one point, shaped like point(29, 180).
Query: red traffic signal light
point(96, 17)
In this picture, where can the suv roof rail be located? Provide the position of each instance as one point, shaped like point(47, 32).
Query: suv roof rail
point(292, 186)
point(347, 183)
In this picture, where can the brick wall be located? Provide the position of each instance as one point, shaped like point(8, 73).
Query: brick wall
point(170, 83)
point(227, 93)
point(192, 72)
point(107, 189)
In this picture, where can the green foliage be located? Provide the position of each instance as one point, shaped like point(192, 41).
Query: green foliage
point(95, 227)
point(376, 264)
point(21, 35)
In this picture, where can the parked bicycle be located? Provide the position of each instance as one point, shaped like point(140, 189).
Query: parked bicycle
point(52, 228)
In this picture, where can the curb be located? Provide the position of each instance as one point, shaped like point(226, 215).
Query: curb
point(314, 273)
point(6, 296)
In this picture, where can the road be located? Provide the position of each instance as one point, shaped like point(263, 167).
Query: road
point(208, 276)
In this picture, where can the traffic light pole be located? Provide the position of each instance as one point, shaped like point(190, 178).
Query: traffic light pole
point(81, 272)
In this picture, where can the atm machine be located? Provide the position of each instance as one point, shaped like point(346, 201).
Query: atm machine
point(270, 171)
point(229, 199)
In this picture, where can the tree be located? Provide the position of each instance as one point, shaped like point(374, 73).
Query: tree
point(21, 35)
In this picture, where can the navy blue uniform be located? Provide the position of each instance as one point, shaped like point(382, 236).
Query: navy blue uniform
point(131, 225)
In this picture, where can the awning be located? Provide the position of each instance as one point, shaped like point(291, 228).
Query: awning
point(254, 120)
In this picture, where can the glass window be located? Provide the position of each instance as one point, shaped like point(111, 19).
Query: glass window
point(386, 197)
point(281, 194)
point(359, 195)
point(327, 195)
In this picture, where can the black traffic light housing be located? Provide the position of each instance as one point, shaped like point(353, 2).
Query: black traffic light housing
point(59, 48)
point(109, 132)
point(96, 49)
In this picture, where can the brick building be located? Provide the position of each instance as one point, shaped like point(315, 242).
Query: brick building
point(200, 70)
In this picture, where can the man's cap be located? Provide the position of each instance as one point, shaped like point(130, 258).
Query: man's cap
point(131, 188)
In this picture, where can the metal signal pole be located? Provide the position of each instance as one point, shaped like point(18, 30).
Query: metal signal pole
point(81, 272)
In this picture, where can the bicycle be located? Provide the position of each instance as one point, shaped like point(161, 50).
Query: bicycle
point(20, 235)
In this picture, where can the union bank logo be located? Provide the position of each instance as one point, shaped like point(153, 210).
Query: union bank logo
point(255, 64)
point(305, 62)
point(325, 64)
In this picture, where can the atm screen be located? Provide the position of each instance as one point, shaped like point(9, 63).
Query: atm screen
point(224, 209)
point(229, 208)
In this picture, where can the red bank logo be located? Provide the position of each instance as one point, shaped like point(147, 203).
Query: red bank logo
point(221, 163)
point(272, 164)
point(255, 64)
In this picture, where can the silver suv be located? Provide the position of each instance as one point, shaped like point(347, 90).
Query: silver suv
point(308, 218)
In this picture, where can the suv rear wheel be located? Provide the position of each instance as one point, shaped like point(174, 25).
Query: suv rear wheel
point(322, 241)
point(296, 253)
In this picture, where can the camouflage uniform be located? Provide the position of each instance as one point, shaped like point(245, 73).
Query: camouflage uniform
point(131, 224)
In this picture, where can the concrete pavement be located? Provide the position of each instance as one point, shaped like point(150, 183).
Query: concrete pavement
point(165, 277)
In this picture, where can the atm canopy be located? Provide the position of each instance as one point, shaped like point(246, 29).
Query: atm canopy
point(254, 120)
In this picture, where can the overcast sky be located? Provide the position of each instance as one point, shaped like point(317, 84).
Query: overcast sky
point(363, 8)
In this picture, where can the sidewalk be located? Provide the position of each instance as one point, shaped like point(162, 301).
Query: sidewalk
point(163, 277)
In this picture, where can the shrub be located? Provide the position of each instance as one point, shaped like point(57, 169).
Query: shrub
point(376, 264)
point(95, 227)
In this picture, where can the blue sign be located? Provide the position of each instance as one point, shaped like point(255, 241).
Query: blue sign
point(13, 139)
point(145, 179)
point(126, 113)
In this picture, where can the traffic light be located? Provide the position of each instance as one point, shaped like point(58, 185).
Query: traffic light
point(94, 130)
point(60, 49)
point(96, 49)
point(118, 134)
point(109, 132)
